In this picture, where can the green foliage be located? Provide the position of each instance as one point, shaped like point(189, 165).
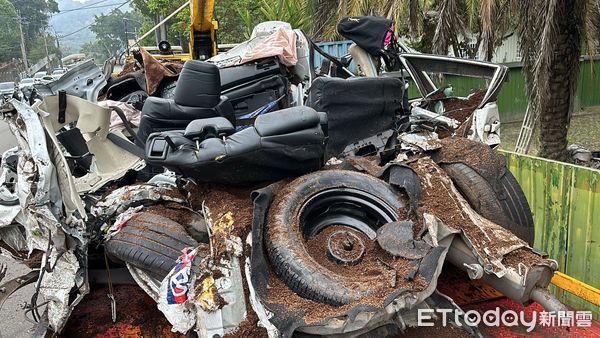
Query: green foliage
point(9, 32)
point(35, 14)
point(110, 34)
point(292, 11)
point(38, 50)
point(177, 27)
point(248, 20)
point(236, 19)
point(94, 50)
point(297, 13)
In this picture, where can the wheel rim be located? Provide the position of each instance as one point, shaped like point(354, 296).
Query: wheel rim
point(348, 207)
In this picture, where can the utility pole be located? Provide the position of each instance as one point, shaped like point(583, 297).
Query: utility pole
point(126, 37)
point(23, 49)
point(47, 54)
point(60, 54)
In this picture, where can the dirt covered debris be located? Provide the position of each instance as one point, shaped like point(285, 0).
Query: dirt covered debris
point(460, 109)
point(486, 161)
point(137, 315)
point(442, 199)
point(371, 276)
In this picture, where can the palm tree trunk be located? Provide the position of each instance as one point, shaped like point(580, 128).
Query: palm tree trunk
point(561, 77)
point(550, 39)
point(556, 111)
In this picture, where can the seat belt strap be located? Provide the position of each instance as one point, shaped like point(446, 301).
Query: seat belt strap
point(126, 145)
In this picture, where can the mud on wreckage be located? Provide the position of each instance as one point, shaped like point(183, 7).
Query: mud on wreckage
point(264, 199)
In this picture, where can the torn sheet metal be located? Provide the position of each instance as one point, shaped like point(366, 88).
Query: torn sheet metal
point(123, 198)
point(109, 161)
point(10, 207)
point(489, 241)
point(231, 312)
point(84, 80)
point(36, 186)
point(218, 290)
point(41, 201)
point(485, 127)
point(51, 162)
point(56, 285)
point(418, 142)
point(263, 314)
point(14, 237)
point(397, 239)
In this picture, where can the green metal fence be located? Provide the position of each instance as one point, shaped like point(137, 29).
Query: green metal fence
point(565, 201)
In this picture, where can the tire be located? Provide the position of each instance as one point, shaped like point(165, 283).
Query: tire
point(311, 204)
point(150, 242)
point(505, 205)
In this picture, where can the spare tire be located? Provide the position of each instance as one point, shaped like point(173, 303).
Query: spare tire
point(357, 204)
point(506, 205)
point(150, 242)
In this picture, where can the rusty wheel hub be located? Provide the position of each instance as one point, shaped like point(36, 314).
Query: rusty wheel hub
point(345, 247)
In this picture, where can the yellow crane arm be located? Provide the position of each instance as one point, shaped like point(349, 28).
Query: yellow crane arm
point(203, 38)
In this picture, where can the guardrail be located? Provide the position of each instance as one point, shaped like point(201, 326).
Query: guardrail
point(565, 201)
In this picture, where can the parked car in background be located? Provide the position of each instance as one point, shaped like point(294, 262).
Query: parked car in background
point(7, 89)
point(26, 82)
point(37, 77)
point(47, 79)
point(59, 71)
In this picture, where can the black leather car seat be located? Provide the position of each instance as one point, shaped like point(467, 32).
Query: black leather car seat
point(280, 144)
point(357, 108)
point(197, 96)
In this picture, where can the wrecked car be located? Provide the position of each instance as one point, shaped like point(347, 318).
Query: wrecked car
point(329, 211)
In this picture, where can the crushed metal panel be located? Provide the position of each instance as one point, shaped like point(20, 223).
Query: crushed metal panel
point(84, 81)
point(37, 186)
point(10, 207)
point(109, 161)
point(56, 287)
point(119, 200)
point(419, 65)
point(52, 153)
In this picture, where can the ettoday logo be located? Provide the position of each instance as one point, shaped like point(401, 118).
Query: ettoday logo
point(498, 317)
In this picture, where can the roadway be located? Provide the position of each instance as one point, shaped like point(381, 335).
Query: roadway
point(12, 322)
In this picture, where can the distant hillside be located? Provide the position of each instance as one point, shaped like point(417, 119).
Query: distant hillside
point(74, 15)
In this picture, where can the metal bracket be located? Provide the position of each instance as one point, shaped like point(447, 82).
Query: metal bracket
point(15, 284)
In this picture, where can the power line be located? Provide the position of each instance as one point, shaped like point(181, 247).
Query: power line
point(92, 4)
point(87, 26)
point(89, 6)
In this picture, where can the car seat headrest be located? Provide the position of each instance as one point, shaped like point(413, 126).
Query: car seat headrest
point(199, 85)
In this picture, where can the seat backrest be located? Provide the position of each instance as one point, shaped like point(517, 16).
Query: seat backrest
point(357, 108)
point(199, 85)
point(286, 121)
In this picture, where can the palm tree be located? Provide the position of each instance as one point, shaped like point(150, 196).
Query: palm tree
point(551, 36)
point(453, 19)
point(551, 33)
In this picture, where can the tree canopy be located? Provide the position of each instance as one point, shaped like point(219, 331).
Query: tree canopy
point(9, 32)
point(35, 15)
point(111, 38)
